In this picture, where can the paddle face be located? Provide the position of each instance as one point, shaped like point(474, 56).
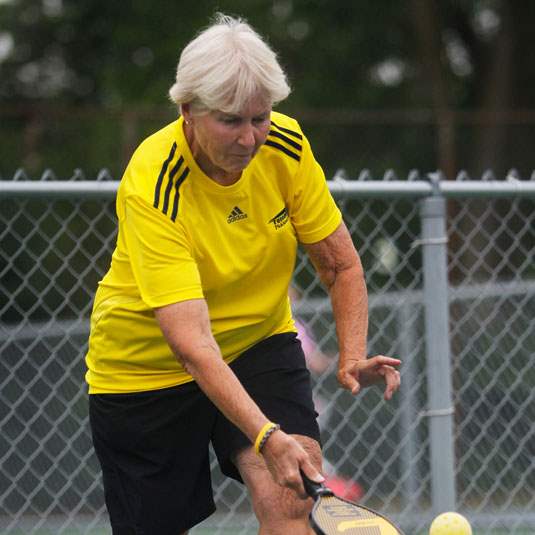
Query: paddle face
point(332, 516)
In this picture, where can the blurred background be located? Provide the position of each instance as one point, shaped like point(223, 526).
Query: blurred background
point(385, 84)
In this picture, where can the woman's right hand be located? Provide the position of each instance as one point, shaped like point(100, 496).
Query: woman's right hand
point(285, 458)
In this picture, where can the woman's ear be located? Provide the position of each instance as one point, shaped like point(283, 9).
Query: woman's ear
point(186, 113)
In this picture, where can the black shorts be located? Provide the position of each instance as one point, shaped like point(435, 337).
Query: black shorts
point(153, 446)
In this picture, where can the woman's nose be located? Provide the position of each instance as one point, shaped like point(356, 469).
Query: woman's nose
point(247, 137)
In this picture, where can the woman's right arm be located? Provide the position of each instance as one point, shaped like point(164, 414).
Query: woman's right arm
point(186, 327)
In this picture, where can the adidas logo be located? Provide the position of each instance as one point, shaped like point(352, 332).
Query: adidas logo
point(235, 215)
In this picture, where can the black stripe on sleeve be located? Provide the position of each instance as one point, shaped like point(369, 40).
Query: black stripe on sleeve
point(169, 186)
point(286, 139)
point(163, 171)
point(287, 131)
point(178, 183)
point(282, 148)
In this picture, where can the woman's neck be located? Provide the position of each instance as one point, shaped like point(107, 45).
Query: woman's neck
point(215, 173)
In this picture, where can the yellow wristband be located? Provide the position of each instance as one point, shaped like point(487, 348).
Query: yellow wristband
point(267, 429)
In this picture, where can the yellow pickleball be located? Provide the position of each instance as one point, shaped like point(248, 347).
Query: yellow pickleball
point(450, 524)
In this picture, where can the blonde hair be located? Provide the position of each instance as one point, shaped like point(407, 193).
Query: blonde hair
point(225, 66)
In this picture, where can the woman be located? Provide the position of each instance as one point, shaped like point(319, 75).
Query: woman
point(192, 339)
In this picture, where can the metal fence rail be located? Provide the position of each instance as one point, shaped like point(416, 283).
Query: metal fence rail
point(451, 276)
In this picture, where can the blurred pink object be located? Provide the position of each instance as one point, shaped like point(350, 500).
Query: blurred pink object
point(317, 362)
point(344, 488)
point(307, 342)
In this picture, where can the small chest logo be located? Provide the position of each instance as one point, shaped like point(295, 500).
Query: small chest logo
point(235, 215)
point(280, 219)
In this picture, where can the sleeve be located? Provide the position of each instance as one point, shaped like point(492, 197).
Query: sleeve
point(160, 255)
point(313, 212)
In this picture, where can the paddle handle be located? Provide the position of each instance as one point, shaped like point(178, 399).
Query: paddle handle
point(313, 489)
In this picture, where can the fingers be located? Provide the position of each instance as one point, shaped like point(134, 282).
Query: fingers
point(298, 485)
point(310, 474)
point(294, 481)
point(354, 374)
point(347, 379)
point(392, 379)
point(379, 360)
point(311, 471)
point(286, 460)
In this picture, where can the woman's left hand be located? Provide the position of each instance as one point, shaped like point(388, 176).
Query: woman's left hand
point(354, 374)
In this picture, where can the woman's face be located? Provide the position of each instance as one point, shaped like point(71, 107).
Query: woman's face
point(224, 144)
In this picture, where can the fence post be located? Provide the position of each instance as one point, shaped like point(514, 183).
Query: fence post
point(408, 404)
point(440, 410)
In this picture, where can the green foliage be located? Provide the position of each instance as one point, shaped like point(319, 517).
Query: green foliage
point(115, 57)
point(125, 52)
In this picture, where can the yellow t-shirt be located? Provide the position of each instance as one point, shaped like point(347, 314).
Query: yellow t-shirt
point(183, 236)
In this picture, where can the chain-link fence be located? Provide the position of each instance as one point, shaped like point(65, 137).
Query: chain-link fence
point(451, 277)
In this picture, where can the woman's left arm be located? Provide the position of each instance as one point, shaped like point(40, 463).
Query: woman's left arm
point(339, 268)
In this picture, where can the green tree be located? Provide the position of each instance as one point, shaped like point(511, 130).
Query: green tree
point(377, 84)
